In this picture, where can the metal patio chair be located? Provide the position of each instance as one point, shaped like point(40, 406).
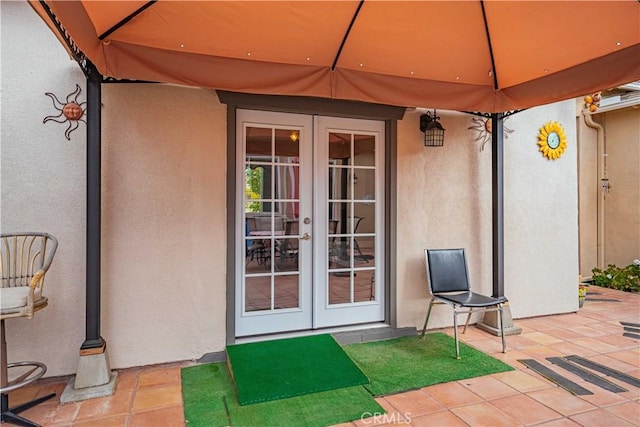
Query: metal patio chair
point(448, 281)
point(25, 258)
point(288, 246)
point(354, 229)
point(255, 247)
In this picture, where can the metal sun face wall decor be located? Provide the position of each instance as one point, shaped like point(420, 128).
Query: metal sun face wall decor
point(552, 140)
point(72, 111)
point(482, 126)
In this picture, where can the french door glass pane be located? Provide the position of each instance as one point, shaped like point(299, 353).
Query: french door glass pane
point(364, 215)
point(364, 285)
point(287, 254)
point(340, 147)
point(258, 143)
point(287, 149)
point(339, 287)
point(347, 287)
point(364, 184)
point(364, 254)
point(287, 190)
point(257, 293)
point(286, 292)
point(292, 227)
point(341, 182)
point(364, 150)
point(340, 212)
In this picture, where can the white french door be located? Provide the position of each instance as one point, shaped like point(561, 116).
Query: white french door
point(310, 219)
point(349, 271)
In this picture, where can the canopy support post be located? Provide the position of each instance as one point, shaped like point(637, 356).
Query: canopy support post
point(491, 321)
point(94, 377)
point(497, 202)
point(94, 118)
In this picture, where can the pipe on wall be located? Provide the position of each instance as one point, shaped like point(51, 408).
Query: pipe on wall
point(601, 166)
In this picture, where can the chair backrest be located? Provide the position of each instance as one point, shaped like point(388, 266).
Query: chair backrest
point(262, 221)
point(446, 270)
point(292, 228)
point(24, 256)
point(354, 223)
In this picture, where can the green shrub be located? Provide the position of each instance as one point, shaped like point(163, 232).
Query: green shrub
point(624, 279)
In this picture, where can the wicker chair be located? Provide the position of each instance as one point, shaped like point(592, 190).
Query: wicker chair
point(25, 258)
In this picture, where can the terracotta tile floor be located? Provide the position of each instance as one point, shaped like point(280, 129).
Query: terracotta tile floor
point(151, 396)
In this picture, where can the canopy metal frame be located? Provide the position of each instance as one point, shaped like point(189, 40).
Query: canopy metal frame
point(94, 81)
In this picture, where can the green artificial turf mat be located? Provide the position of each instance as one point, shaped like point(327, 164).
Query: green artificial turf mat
point(210, 400)
point(409, 363)
point(205, 388)
point(271, 370)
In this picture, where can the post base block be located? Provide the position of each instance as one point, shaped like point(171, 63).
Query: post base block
point(93, 379)
point(71, 394)
point(490, 323)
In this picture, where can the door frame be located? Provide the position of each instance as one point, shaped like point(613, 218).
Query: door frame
point(313, 106)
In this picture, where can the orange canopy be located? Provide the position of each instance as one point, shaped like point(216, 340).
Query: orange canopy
point(488, 56)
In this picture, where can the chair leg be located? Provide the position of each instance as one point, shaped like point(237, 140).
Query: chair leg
point(357, 247)
point(455, 332)
point(504, 346)
point(10, 415)
point(7, 414)
point(32, 403)
point(372, 285)
point(424, 328)
point(467, 322)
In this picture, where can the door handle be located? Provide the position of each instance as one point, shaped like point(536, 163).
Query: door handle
point(306, 236)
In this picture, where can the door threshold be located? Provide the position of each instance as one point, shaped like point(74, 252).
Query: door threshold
point(331, 330)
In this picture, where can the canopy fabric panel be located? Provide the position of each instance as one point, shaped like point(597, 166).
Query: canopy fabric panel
point(488, 56)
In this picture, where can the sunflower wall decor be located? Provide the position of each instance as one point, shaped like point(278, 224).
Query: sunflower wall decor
point(552, 140)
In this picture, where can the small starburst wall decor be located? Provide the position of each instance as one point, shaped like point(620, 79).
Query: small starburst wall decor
point(72, 111)
point(482, 125)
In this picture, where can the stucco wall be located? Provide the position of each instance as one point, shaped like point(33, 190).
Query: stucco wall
point(164, 223)
point(444, 200)
point(163, 214)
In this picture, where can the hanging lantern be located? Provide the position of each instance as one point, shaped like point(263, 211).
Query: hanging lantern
point(433, 130)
